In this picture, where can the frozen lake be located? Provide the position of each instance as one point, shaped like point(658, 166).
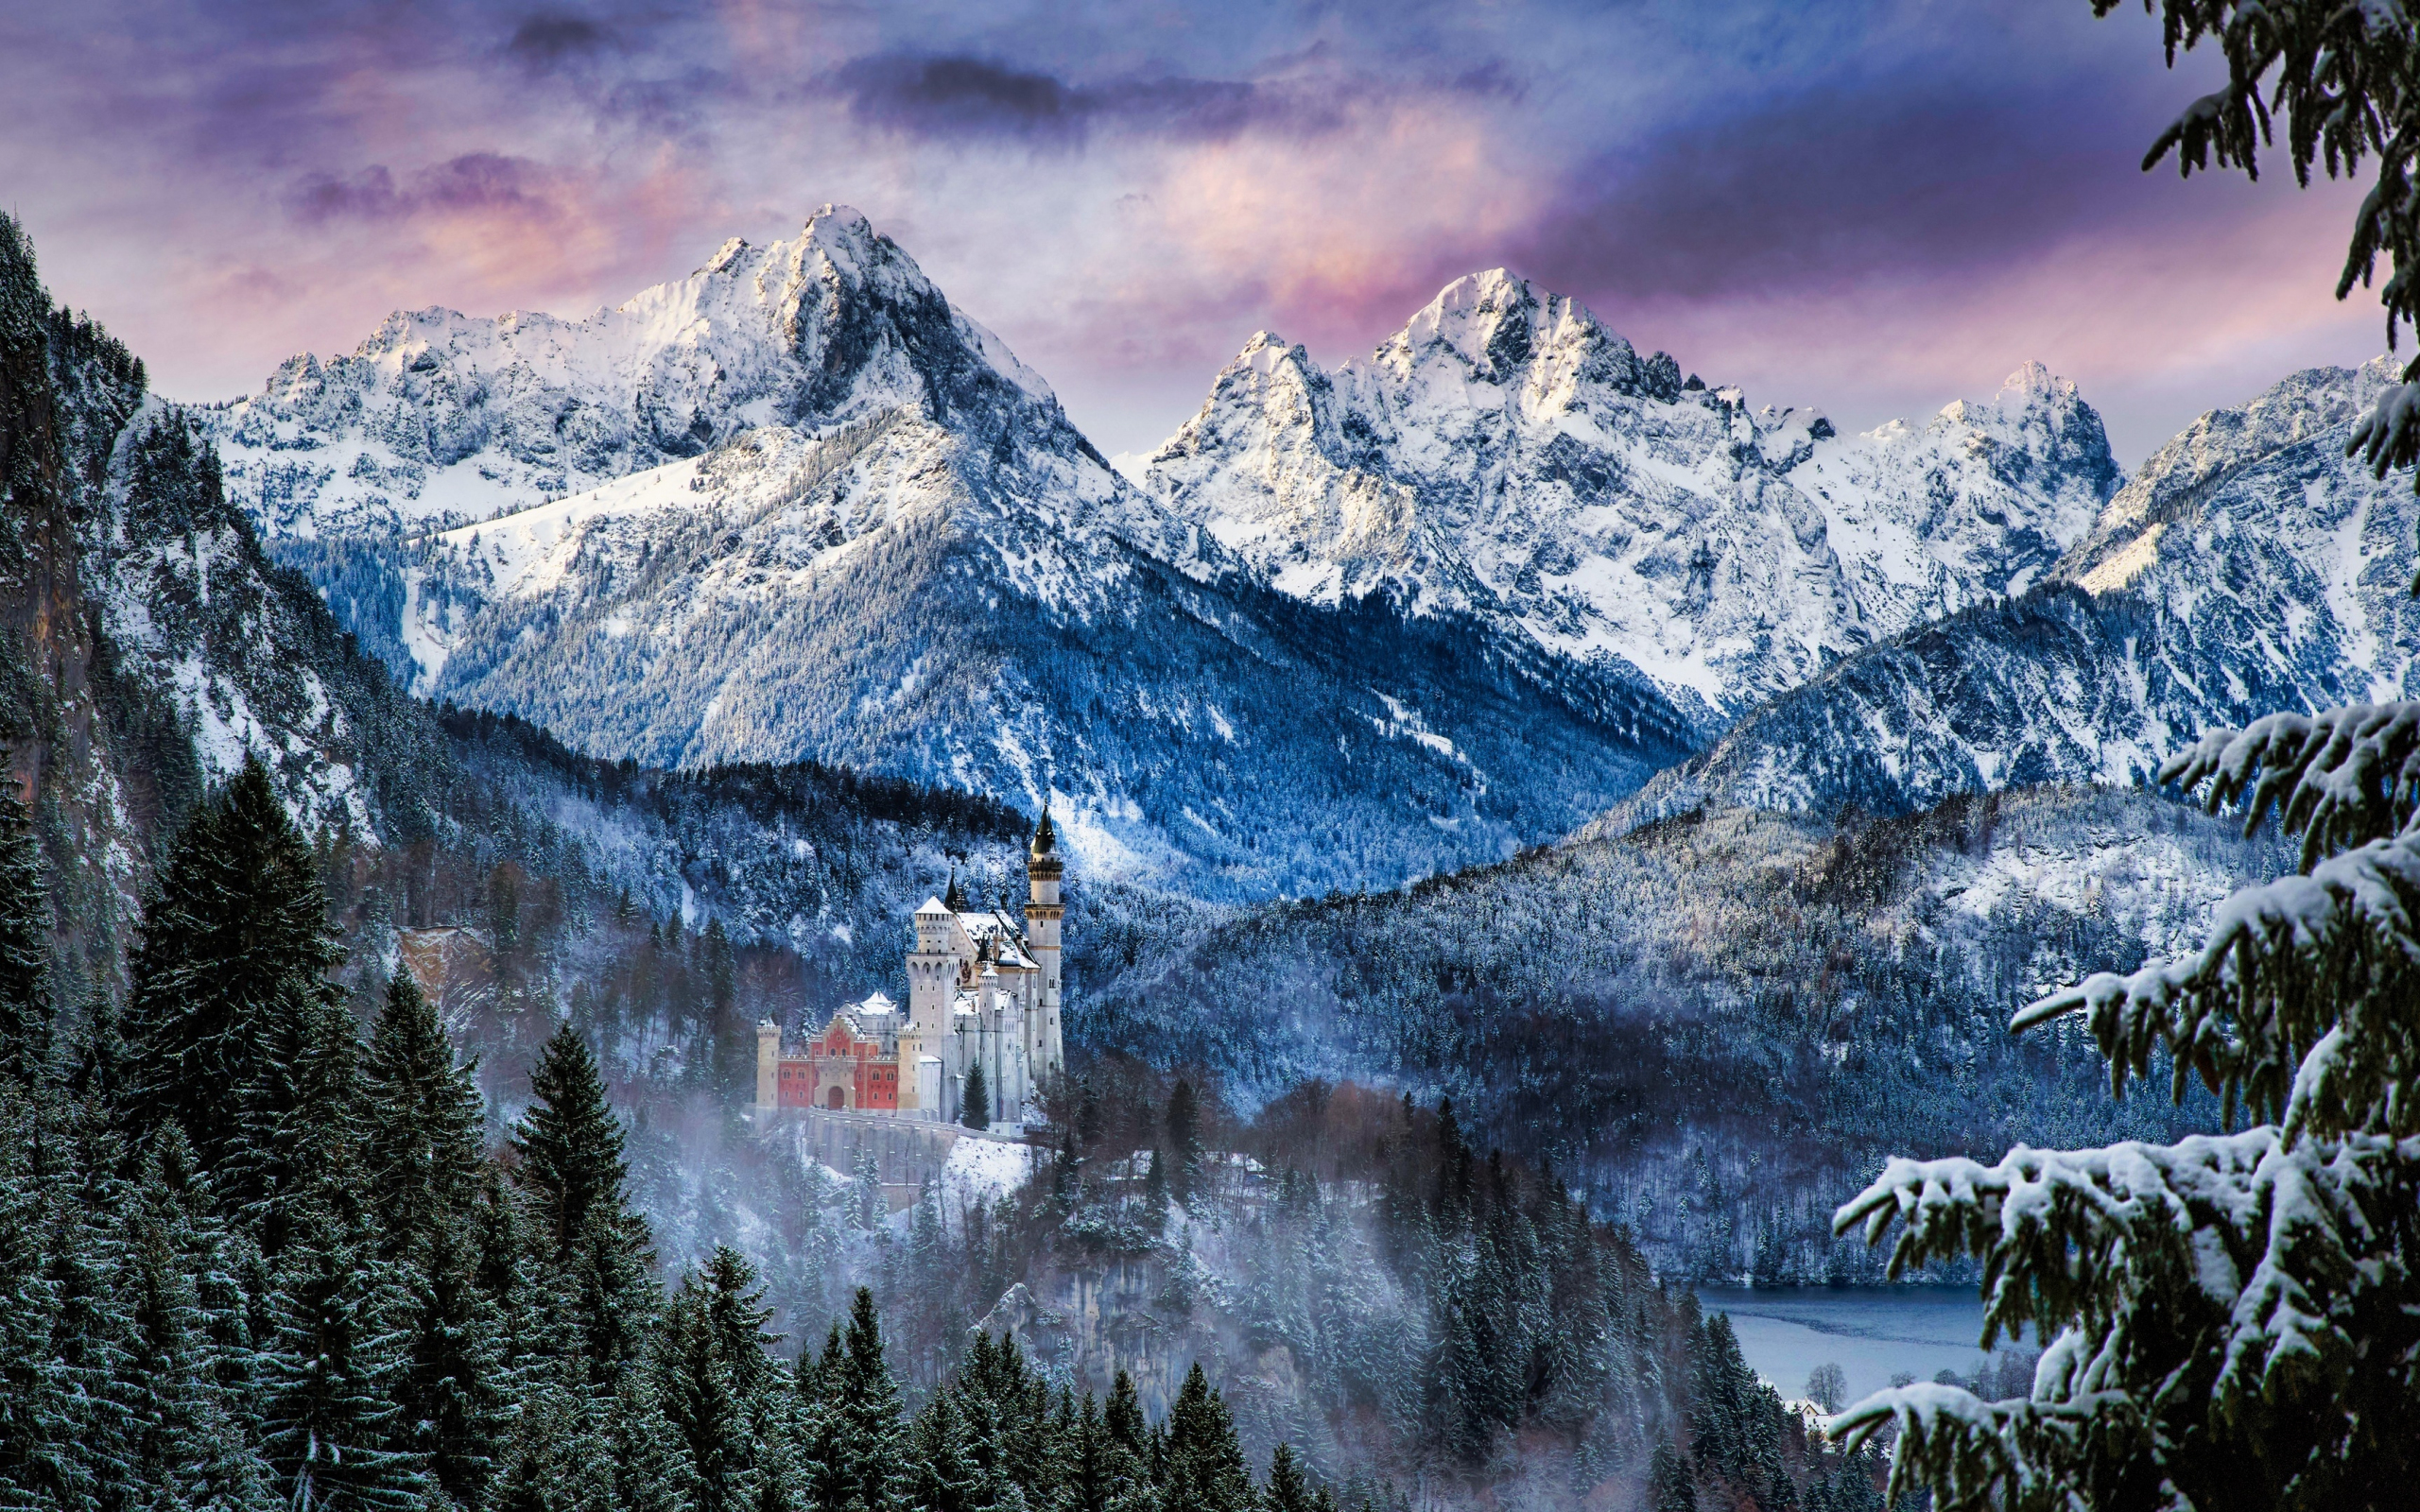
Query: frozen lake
point(1871, 1333)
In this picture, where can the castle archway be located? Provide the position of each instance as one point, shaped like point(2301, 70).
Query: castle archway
point(837, 1099)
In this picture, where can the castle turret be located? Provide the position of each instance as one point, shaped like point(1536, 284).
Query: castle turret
point(932, 971)
point(768, 1065)
point(1043, 911)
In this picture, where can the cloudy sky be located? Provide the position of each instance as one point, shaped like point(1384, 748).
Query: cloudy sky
point(1870, 207)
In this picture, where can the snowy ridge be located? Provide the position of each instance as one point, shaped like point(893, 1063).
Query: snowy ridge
point(833, 519)
point(2251, 567)
point(1505, 457)
point(441, 418)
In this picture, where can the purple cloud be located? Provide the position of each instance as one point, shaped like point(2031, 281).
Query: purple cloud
point(960, 97)
point(550, 40)
point(472, 181)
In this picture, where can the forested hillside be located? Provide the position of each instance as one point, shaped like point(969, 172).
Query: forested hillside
point(255, 1256)
point(1722, 1023)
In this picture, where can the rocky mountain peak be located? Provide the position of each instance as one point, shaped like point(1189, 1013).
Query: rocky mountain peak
point(1486, 320)
point(1505, 456)
point(439, 417)
point(2179, 478)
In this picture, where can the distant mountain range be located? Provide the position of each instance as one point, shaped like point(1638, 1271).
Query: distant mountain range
point(1350, 630)
point(1506, 459)
point(1506, 583)
point(2251, 566)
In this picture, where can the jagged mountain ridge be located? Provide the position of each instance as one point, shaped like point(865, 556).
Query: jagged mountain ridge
point(888, 549)
point(1505, 457)
point(441, 418)
point(2250, 567)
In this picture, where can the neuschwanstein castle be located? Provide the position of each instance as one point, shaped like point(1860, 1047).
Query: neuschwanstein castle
point(981, 992)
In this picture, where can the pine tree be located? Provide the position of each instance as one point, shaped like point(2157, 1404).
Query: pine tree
point(1670, 1487)
point(421, 1123)
point(562, 1459)
point(648, 1470)
point(453, 1391)
point(867, 1205)
point(976, 1106)
point(42, 1411)
point(184, 1432)
point(732, 1048)
point(25, 946)
point(1185, 1139)
point(297, 1162)
point(736, 1311)
point(1734, 1418)
point(941, 1475)
point(239, 919)
point(822, 1462)
point(1088, 1463)
point(1090, 1123)
point(703, 1401)
point(570, 1145)
point(571, 1163)
point(329, 1411)
point(1127, 1453)
point(501, 1269)
point(1288, 1489)
point(870, 1413)
point(1205, 1470)
point(2276, 1376)
point(92, 1330)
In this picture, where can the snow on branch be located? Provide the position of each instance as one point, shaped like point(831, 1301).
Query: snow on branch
point(2237, 1269)
point(2304, 1002)
point(2389, 436)
point(2341, 778)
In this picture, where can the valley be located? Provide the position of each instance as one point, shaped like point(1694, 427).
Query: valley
point(1540, 832)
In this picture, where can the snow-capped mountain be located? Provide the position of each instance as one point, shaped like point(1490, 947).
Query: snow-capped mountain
point(443, 418)
point(840, 521)
point(2251, 566)
point(1507, 459)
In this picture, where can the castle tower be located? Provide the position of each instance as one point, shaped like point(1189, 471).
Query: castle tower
point(932, 971)
point(768, 1065)
point(1043, 911)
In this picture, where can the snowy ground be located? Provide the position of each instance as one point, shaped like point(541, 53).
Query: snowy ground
point(982, 1171)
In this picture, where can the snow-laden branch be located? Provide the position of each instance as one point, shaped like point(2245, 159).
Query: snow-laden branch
point(2304, 1003)
point(2389, 436)
point(2246, 1274)
point(2341, 778)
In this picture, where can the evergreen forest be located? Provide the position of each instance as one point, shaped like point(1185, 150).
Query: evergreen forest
point(264, 1247)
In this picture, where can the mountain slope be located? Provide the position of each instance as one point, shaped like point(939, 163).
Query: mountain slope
point(1722, 1023)
point(1507, 459)
point(154, 647)
point(2249, 567)
point(879, 543)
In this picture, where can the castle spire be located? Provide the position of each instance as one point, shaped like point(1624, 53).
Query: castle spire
point(1045, 837)
point(954, 900)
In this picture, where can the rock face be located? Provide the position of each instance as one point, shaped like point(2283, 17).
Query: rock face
point(2250, 567)
point(1506, 459)
point(843, 524)
point(155, 648)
